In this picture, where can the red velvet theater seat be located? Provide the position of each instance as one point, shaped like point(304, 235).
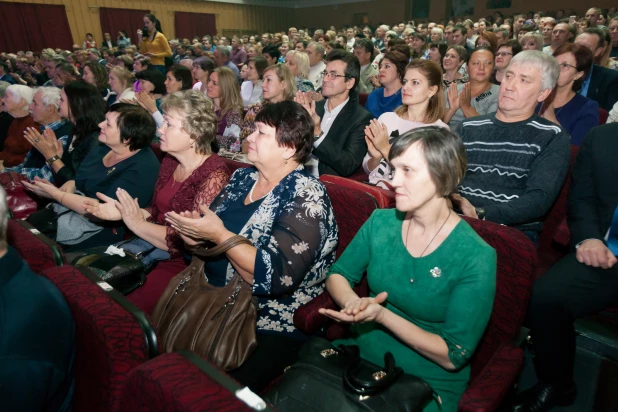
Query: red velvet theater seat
point(39, 251)
point(180, 382)
point(496, 362)
point(111, 337)
point(233, 165)
point(384, 198)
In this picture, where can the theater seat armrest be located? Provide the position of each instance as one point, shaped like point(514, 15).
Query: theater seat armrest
point(308, 319)
point(487, 390)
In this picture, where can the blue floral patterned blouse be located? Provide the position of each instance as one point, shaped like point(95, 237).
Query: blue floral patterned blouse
point(295, 233)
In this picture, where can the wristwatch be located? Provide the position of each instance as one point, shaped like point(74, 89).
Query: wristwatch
point(480, 212)
point(52, 159)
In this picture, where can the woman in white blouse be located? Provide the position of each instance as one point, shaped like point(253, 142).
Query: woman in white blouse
point(251, 89)
point(201, 70)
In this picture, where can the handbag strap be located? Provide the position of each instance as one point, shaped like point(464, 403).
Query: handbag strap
point(225, 246)
point(381, 379)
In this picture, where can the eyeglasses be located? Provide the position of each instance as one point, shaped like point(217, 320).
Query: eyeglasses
point(566, 66)
point(332, 75)
point(503, 54)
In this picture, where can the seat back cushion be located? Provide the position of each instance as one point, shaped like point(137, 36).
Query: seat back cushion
point(36, 249)
point(384, 198)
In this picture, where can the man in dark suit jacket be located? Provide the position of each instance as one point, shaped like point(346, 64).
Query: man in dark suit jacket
point(582, 283)
point(340, 121)
point(602, 83)
point(36, 336)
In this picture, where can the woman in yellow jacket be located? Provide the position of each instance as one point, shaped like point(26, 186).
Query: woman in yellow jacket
point(154, 44)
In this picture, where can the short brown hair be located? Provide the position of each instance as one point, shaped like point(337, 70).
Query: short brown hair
point(433, 73)
point(444, 153)
point(583, 59)
point(399, 60)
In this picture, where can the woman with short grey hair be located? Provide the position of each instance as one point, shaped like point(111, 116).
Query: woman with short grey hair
point(16, 102)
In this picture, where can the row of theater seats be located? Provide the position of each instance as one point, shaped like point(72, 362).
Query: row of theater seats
point(118, 362)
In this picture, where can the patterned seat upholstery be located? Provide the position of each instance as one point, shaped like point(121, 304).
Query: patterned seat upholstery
point(39, 251)
point(555, 237)
point(173, 382)
point(384, 198)
point(496, 362)
point(352, 208)
point(112, 337)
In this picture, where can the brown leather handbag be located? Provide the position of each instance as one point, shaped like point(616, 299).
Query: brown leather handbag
point(217, 323)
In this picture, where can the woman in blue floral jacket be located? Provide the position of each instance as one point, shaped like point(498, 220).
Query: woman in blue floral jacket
point(286, 214)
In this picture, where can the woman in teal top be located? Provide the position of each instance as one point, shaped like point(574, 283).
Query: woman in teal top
point(431, 277)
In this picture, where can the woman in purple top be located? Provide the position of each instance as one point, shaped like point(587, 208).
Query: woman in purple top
point(574, 112)
point(224, 91)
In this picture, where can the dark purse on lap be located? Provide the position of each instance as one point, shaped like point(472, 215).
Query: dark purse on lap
point(329, 378)
point(124, 273)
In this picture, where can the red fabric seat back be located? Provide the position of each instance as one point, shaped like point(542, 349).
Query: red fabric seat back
point(234, 165)
point(37, 250)
point(603, 115)
point(171, 382)
point(110, 338)
point(352, 207)
point(21, 202)
point(384, 198)
point(514, 276)
point(554, 224)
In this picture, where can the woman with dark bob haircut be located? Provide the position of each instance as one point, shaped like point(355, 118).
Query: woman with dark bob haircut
point(388, 97)
point(432, 279)
point(286, 214)
point(121, 163)
point(577, 114)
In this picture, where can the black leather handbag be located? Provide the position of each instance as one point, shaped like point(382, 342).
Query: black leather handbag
point(124, 273)
point(329, 378)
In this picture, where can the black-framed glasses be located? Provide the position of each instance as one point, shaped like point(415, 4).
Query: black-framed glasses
point(567, 66)
point(332, 75)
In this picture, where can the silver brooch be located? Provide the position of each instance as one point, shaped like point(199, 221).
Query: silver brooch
point(436, 272)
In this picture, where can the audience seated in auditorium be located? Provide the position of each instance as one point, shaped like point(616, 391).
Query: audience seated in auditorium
point(251, 88)
point(364, 52)
point(44, 110)
point(298, 63)
point(340, 121)
point(424, 264)
point(477, 97)
point(224, 92)
point(141, 63)
point(583, 282)
point(123, 163)
point(504, 55)
point(561, 34)
point(387, 98)
point(575, 113)
point(191, 175)
point(17, 99)
point(601, 84)
point(37, 333)
point(121, 83)
point(278, 85)
point(202, 67)
point(517, 160)
point(289, 257)
point(453, 65)
point(178, 78)
point(5, 117)
point(153, 43)
point(423, 105)
point(315, 51)
point(238, 56)
point(221, 56)
point(96, 75)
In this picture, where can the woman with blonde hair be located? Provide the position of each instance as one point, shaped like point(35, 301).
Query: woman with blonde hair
point(278, 84)
point(120, 81)
point(423, 105)
point(531, 41)
point(223, 89)
point(298, 63)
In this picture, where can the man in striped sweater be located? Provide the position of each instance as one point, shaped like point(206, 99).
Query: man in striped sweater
point(517, 160)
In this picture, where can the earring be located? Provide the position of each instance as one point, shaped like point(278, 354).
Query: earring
point(286, 161)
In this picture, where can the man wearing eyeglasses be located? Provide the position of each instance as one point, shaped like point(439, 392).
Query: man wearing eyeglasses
point(340, 121)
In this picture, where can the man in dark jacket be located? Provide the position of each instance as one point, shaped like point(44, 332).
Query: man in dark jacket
point(583, 282)
point(36, 335)
point(340, 121)
point(601, 85)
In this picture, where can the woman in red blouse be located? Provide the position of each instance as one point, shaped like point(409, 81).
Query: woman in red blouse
point(190, 175)
point(16, 102)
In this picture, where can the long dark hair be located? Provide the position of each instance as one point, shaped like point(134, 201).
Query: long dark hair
point(87, 108)
point(156, 22)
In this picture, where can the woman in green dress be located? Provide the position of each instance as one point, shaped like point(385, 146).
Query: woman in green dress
point(432, 279)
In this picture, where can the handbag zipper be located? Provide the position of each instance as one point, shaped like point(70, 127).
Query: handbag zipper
point(179, 288)
point(228, 305)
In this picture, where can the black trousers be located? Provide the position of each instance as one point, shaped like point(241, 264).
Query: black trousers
point(273, 354)
point(567, 291)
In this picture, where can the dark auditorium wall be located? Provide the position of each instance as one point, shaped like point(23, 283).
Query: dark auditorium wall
point(83, 15)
